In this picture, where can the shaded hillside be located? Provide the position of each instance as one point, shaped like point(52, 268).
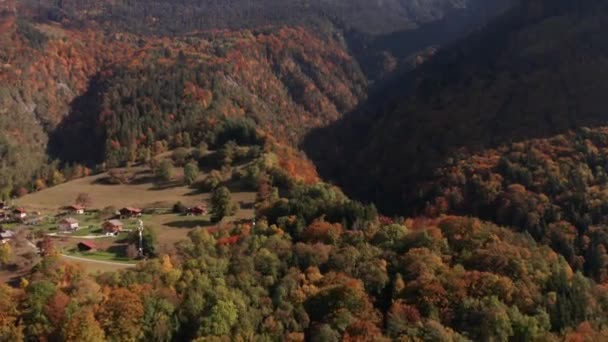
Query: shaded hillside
point(179, 17)
point(535, 72)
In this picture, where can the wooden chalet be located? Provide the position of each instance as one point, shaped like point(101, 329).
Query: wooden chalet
point(19, 213)
point(113, 226)
point(86, 246)
point(76, 209)
point(6, 235)
point(68, 225)
point(129, 212)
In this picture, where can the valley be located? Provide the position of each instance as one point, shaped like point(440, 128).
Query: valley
point(332, 170)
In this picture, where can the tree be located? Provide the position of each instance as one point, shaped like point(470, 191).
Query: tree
point(212, 181)
point(57, 178)
point(190, 173)
point(221, 204)
point(148, 241)
point(10, 327)
point(121, 315)
point(6, 254)
point(81, 326)
point(180, 156)
point(165, 170)
point(84, 199)
point(222, 316)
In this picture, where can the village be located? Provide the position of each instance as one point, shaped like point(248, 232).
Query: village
point(94, 224)
point(84, 232)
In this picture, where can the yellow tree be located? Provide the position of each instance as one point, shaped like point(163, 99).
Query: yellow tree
point(121, 315)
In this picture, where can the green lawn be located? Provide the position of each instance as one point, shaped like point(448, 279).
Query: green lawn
point(101, 256)
point(88, 230)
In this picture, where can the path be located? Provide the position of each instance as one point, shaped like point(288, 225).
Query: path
point(84, 237)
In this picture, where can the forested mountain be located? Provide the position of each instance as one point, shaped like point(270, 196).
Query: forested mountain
point(495, 147)
point(493, 127)
point(536, 72)
point(186, 16)
point(306, 279)
point(102, 83)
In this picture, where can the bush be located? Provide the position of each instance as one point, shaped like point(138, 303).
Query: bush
point(179, 208)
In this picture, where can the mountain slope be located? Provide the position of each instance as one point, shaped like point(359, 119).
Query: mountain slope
point(534, 73)
point(92, 82)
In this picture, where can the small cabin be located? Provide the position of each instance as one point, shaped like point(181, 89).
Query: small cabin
point(198, 210)
point(19, 213)
point(113, 226)
point(76, 209)
point(129, 212)
point(6, 235)
point(68, 225)
point(86, 246)
point(4, 216)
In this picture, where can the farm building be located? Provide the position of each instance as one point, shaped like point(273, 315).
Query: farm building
point(198, 210)
point(68, 225)
point(113, 226)
point(86, 246)
point(19, 213)
point(6, 235)
point(130, 212)
point(76, 209)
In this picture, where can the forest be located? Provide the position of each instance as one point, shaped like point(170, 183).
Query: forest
point(535, 72)
point(318, 266)
point(463, 198)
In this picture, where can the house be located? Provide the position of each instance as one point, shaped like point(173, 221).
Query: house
point(68, 225)
point(76, 209)
point(19, 213)
point(6, 235)
point(86, 246)
point(130, 212)
point(4, 216)
point(198, 210)
point(113, 226)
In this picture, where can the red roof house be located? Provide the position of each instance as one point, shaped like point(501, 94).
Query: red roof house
point(113, 226)
point(130, 212)
point(198, 210)
point(86, 246)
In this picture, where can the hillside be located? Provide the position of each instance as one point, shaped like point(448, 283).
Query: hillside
point(179, 17)
point(534, 73)
point(93, 97)
point(493, 127)
point(98, 84)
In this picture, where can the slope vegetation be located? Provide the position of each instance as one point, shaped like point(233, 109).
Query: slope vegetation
point(536, 72)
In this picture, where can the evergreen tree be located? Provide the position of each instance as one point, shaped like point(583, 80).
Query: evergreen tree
point(221, 204)
point(165, 171)
point(190, 173)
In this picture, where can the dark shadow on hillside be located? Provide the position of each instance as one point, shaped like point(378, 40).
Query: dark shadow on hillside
point(384, 151)
point(167, 185)
point(402, 45)
point(79, 137)
point(189, 224)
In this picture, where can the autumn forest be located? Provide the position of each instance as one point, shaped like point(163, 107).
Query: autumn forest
point(370, 170)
